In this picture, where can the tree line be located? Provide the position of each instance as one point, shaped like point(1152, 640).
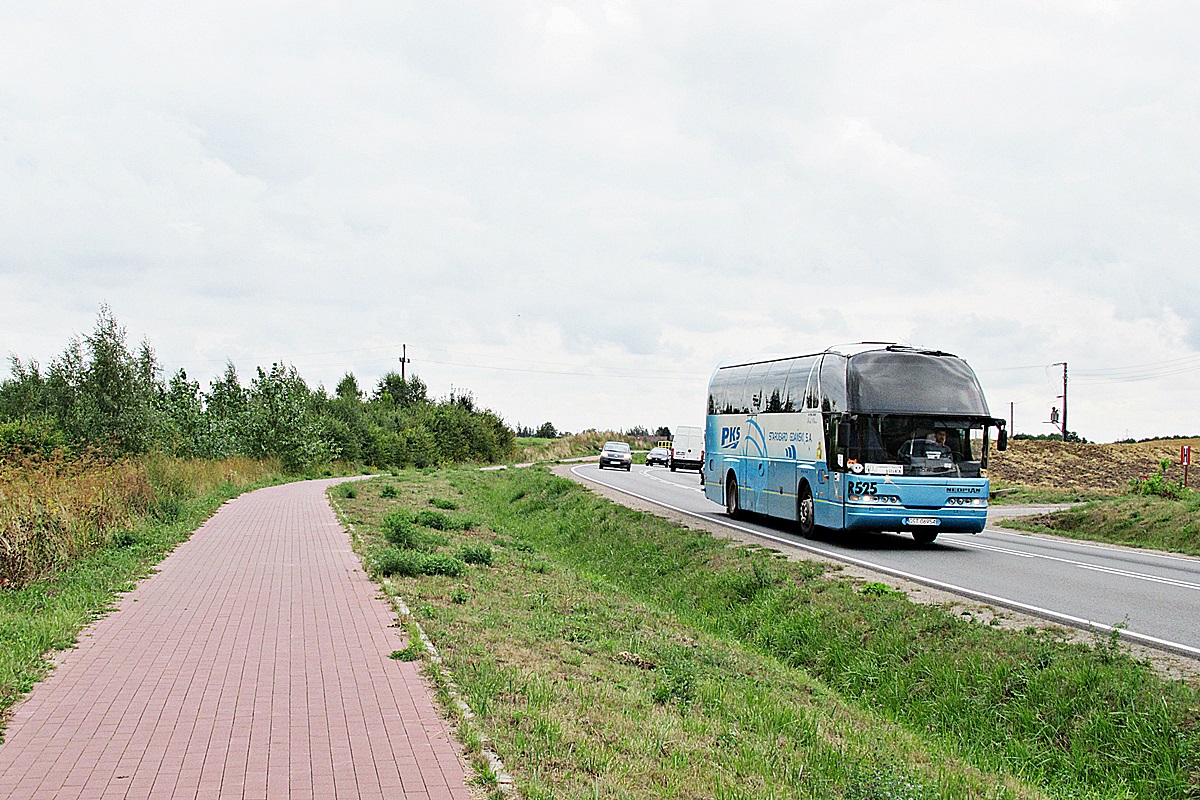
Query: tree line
point(101, 395)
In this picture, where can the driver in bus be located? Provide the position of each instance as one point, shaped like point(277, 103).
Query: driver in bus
point(938, 437)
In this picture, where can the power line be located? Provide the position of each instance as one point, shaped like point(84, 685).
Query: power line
point(1091, 377)
point(593, 374)
point(1193, 359)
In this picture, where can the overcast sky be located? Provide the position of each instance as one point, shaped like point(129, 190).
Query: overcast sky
point(575, 211)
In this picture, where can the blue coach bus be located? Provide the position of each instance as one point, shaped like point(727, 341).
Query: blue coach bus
point(871, 436)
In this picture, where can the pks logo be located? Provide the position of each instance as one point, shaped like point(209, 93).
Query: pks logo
point(789, 451)
point(731, 437)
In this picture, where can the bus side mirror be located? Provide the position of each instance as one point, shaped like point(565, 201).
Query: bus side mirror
point(1002, 440)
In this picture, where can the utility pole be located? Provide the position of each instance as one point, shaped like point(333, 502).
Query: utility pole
point(1063, 364)
point(404, 359)
point(1011, 428)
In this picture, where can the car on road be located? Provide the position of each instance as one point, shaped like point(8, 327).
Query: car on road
point(687, 448)
point(616, 454)
point(659, 455)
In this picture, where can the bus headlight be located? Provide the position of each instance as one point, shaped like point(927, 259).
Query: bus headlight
point(873, 499)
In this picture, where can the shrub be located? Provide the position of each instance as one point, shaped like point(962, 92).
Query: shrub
point(347, 490)
point(438, 564)
point(476, 554)
point(406, 563)
point(398, 530)
point(1159, 485)
point(21, 438)
point(434, 519)
point(388, 491)
point(448, 505)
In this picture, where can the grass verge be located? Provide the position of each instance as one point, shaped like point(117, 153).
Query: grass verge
point(609, 653)
point(1017, 494)
point(41, 617)
point(1132, 520)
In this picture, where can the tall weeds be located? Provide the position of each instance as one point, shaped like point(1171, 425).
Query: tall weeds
point(584, 443)
point(56, 510)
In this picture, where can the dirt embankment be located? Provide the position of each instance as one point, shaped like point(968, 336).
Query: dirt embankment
point(1086, 467)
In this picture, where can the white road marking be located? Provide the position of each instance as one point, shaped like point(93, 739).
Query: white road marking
point(1028, 536)
point(993, 548)
point(1084, 565)
point(1057, 616)
point(654, 477)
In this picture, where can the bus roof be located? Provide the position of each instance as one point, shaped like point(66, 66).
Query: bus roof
point(874, 378)
point(848, 350)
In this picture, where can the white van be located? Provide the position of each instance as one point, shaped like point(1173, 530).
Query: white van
point(687, 448)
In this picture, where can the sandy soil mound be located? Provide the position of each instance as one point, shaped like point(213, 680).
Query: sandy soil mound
point(1095, 467)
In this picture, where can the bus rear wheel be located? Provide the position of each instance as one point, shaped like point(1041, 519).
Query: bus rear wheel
point(924, 537)
point(732, 502)
point(805, 513)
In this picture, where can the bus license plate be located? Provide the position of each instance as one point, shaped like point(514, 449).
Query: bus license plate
point(922, 521)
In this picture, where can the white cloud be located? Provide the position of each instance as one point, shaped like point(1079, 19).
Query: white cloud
point(637, 191)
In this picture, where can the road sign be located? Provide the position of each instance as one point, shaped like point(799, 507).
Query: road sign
point(1185, 455)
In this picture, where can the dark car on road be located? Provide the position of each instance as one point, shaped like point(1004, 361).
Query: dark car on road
point(616, 454)
point(659, 455)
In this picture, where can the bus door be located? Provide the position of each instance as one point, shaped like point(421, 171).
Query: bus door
point(754, 468)
point(829, 505)
point(781, 485)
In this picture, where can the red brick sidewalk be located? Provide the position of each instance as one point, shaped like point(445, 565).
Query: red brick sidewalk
point(254, 665)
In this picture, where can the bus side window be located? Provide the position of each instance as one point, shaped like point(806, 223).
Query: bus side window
point(726, 391)
point(753, 400)
point(833, 382)
point(831, 443)
point(797, 382)
point(812, 395)
point(774, 385)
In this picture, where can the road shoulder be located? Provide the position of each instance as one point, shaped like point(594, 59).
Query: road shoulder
point(1166, 664)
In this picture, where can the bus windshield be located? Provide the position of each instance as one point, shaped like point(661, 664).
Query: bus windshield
point(899, 382)
point(902, 444)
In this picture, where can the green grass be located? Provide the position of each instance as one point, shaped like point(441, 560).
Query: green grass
point(47, 616)
point(610, 653)
point(1132, 520)
point(1017, 494)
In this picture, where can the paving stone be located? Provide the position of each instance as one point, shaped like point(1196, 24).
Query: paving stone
point(254, 664)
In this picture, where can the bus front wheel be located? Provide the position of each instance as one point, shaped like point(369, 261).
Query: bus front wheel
point(732, 505)
point(805, 513)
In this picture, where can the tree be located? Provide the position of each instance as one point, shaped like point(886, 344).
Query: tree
point(184, 423)
point(282, 422)
point(97, 392)
point(347, 388)
point(404, 393)
point(226, 416)
point(547, 431)
point(24, 394)
point(663, 432)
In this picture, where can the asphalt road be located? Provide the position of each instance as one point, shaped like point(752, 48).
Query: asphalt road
point(1153, 598)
